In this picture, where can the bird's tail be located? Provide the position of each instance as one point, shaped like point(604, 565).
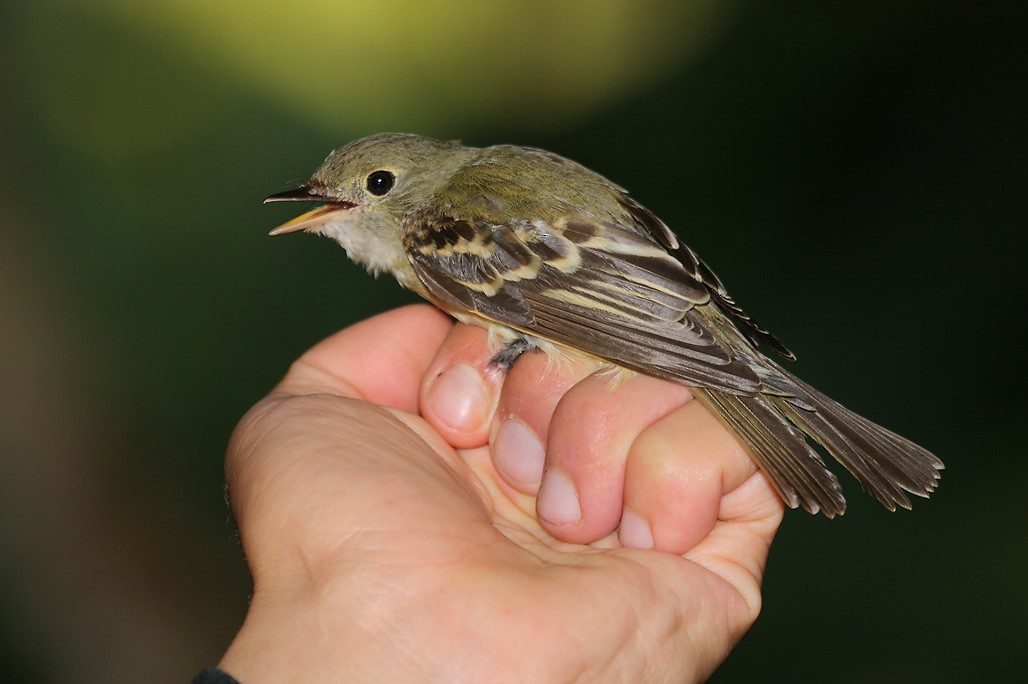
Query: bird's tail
point(773, 426)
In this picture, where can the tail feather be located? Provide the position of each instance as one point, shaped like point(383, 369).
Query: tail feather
point(797, 471)
point(887, 465)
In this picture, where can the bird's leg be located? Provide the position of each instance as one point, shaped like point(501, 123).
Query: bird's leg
point(505, 358)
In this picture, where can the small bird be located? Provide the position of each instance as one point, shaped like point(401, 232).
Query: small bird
point(547, 254)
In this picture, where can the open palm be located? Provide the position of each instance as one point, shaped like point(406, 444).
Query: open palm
point(390, 539)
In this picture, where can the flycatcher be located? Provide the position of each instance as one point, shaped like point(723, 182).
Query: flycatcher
point(549, 255)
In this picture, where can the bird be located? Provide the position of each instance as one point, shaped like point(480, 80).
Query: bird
point(547, 254)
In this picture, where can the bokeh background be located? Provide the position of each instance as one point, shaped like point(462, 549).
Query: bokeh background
point(854, 170)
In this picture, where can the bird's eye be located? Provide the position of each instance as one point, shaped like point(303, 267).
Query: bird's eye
point(380, 182)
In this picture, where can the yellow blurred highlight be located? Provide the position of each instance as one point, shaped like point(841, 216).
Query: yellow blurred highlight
point(432, 67)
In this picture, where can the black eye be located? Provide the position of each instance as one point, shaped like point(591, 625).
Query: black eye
point(380, 182)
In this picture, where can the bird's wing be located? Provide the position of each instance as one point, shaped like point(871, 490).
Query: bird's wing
point(626, 292)
point(631, 294)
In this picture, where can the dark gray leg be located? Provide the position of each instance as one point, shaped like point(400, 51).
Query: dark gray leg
point(506, 357)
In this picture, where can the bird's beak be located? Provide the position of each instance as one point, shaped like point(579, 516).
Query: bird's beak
point(311, 219)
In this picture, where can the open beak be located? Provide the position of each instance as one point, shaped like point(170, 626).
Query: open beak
point(311, 219)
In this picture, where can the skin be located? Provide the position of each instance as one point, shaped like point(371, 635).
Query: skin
point(387, 509)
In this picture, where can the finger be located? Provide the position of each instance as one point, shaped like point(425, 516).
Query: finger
point(381, 359)
point(592, 430)
point(678, 471)
point(530, 394)
point(738, 546)
point(460, 388)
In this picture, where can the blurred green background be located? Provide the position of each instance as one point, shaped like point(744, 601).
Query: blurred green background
point(854, 171)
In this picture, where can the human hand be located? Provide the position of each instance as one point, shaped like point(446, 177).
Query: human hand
point(388, 547)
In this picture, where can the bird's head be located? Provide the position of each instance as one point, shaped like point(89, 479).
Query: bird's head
point(367, 187)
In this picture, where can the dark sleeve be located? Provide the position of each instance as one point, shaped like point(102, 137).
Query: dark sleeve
point(214, 676)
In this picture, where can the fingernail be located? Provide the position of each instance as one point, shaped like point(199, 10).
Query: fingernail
point(558, 501)
point(634, 532)
point(459, 398)
point(519, 455)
